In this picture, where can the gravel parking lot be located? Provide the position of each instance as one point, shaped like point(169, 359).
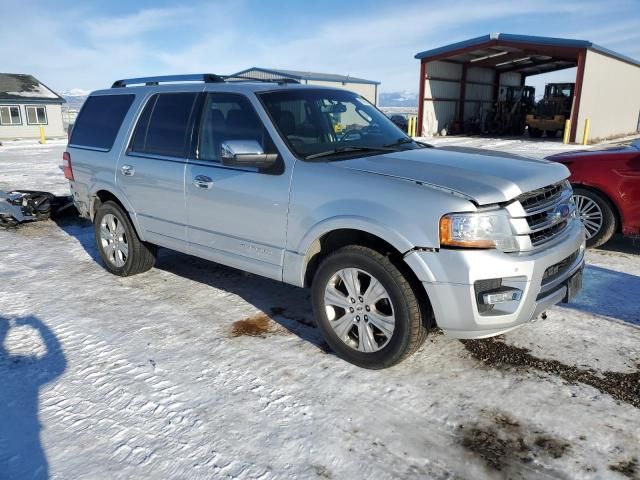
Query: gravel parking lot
point(196, 370)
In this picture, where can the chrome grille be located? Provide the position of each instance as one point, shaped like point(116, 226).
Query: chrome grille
point(541, 212)
point(546, 234)
point(537, 200)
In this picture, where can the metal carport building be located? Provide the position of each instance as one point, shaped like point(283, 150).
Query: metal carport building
point(458, 80)
point(367, 88)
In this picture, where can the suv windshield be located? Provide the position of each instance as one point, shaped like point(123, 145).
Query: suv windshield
point(322, 123)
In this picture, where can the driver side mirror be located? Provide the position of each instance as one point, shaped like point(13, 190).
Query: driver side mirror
point(246, 153)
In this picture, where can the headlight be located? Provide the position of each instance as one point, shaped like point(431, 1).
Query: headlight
point(478, 230)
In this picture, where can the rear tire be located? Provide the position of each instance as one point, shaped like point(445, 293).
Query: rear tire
point(392, 304)
point(597, 215)
point(535, 132)
point(551, 133)
point(122, 251)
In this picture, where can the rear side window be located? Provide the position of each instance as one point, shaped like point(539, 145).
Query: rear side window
point(163, 127)
point(100, 120)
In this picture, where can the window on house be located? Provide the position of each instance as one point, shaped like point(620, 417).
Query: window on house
point(36, 115)
point(10, 115)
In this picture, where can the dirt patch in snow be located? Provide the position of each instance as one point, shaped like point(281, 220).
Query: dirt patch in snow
point(322, 472)
point(501, 441)
point(494, 352)
point(259, 325)
point(628, 468)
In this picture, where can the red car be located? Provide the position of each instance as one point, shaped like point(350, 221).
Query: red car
point(606, 186)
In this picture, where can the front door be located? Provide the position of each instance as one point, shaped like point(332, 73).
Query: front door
point(235, 216)
point(151, 172)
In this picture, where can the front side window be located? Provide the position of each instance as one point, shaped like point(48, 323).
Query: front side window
point(36, 115)
point(317, 121)
point(228, 117)
point(10, 115)
point(163, 126)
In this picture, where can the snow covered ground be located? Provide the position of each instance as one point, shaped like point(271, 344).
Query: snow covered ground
point(153, 377)
point(535, 148)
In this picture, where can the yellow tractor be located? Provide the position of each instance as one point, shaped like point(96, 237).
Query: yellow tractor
point(552, 111)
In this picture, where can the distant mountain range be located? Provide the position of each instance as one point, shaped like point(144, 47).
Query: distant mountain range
point(75, 98)
point(398, 99)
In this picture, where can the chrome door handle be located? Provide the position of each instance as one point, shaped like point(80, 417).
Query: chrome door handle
point(202, 181)
point(127, 170)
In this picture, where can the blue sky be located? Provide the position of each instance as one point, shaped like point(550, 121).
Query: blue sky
point(89, 44)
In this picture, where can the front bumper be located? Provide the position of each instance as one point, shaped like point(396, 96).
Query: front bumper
point(449, 275)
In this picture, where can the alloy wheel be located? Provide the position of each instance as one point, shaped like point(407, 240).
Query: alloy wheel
point(359, 310)
point(590, 214)
point(113, 239)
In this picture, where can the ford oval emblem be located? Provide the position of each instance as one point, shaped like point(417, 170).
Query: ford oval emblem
point(561, 212)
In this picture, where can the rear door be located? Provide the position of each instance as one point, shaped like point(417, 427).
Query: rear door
point(235, 216)
point(151, 172)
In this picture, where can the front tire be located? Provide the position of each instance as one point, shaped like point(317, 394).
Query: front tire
point(366, 309)
point(122, 251)
point(597, 215)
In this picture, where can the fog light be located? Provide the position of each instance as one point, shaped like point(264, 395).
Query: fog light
point(501, 295)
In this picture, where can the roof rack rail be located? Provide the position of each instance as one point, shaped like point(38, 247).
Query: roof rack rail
point(240, 78)
point(196, 77)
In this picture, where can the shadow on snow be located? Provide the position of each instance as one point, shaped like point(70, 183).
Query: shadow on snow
point(287, 305)
point(609, 293)
point(21, 377)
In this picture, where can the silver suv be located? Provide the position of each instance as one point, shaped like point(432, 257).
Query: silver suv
point(317, 188)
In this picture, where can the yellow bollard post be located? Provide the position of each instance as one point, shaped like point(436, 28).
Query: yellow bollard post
point(567, 130)
point(585, 136)
point(410, 127)
point(42, 139)
point(412, 132)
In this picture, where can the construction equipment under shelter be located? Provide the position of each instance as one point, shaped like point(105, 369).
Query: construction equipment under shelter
point(466, 85)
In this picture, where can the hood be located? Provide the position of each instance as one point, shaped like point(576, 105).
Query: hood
point(486, 178)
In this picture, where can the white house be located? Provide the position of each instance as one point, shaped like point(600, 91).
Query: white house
point(25, 105)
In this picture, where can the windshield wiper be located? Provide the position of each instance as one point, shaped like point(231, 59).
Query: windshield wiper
point(347, 150)
point(400, 141)
point(403, 140)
